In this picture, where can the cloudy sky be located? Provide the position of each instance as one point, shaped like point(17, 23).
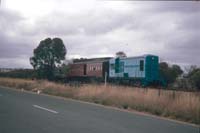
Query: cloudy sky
point(98, 28)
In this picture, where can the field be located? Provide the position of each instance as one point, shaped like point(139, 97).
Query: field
point(179, 105)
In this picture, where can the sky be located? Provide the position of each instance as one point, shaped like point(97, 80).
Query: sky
point(100, 28)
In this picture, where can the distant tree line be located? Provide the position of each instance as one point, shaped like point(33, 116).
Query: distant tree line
point(193, 77)
point(169, 73)
point(19, 73)
point(177, 79)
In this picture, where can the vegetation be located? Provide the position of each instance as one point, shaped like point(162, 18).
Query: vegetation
point(19, 73)
point(169, 73)
point(173, 104)
point(120, 54)
point(60, 72)
point(47, 56)
point(194, 77)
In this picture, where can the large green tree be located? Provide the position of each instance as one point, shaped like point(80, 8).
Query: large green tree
point(48, 54)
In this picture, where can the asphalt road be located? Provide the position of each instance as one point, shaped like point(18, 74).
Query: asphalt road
point(22, 112)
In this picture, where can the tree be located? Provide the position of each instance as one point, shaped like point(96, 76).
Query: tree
point(121, 54)
point(169, 73)
point(176, 70)
point(194, 76)
point(47, 56)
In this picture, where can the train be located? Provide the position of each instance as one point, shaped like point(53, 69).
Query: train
point(138, 70)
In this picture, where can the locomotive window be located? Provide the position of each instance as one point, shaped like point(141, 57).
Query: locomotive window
point(112, 66)
point(141, 65)
point(121, 67)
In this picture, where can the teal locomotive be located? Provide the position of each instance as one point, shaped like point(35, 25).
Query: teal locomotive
point(139, 70)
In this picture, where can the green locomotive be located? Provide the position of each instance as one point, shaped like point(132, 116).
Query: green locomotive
point(141, 70)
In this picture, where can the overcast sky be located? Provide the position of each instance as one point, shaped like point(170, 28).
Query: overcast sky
point(97, 28)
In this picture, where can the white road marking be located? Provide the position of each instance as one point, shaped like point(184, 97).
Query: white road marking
point(39, 107)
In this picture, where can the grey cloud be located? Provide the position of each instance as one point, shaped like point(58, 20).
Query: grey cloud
point(10, 45)
point(107, 21)
point(190, 22)
point(91, 23)
point(183, 7)
point(9, 20)
point(183, 50)
point(14, 49)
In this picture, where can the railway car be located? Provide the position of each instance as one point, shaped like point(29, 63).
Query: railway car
point(97, 69)
point(77, 70)
point(89, 69)
point(140, 70)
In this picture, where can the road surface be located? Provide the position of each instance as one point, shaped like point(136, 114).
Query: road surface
point(22, 112)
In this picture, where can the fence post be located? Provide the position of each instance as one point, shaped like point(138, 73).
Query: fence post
point(105, 78)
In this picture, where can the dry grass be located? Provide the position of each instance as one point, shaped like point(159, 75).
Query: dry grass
point(174, 104)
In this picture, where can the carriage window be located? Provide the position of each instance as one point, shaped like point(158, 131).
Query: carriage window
point(141, 65)
point(84, 71)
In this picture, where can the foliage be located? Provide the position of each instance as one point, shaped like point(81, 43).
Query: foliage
point(169, 73)
point(64, 69)
point(19, 73)
point(121, 54)
point(47, 56)
point(61, 72)
point(79, 60)
point(183, 84)
point(194, 77)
